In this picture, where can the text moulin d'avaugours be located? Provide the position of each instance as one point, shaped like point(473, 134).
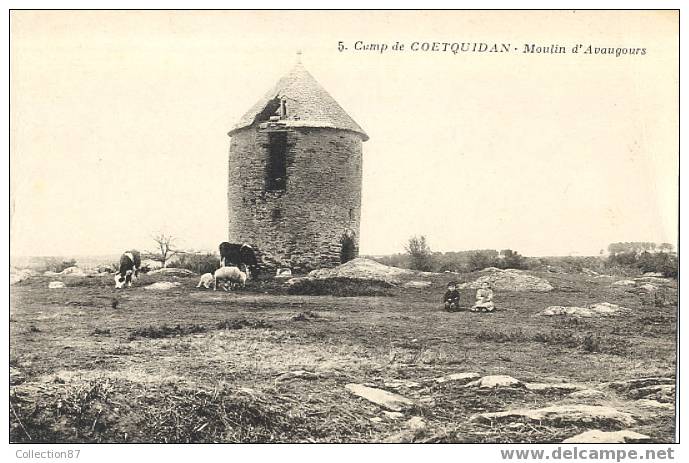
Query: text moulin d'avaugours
point(488, 47)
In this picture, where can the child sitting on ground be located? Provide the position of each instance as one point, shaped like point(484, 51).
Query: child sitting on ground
point(451, 297)
point(484, 299)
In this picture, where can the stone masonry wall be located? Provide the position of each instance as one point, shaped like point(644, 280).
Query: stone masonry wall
point(300, 227)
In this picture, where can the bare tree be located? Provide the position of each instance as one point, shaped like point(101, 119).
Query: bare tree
point(165, 248)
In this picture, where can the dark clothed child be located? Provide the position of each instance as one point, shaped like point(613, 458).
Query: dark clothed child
point(451, 297)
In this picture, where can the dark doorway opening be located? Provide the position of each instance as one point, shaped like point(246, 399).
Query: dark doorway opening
point(276, 168)
point(348, 249)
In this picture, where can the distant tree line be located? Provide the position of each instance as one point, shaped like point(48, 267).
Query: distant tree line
point(626, 257)
point(638, 247)
point(419, 256)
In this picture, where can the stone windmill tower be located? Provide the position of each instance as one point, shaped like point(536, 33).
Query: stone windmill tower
point(294, 190)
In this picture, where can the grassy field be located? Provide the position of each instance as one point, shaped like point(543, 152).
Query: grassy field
point(94, 364)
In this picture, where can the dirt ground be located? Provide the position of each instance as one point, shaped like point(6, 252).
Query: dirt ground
point(95, 364)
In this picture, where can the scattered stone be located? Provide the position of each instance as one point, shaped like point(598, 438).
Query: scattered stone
point(564, 387)
point(587, 394)
point(149, 265)
point(495, 381)
point(653, 274)
point(74, 271)
point(659, 392)
point(163, 285)
point(21, 275)
point(297, 374)
point(50, 273)
point(510, 280)
point(654, 404)
point(56, 285)
point(393, 415)
point(588, 271)
point(283, 273)
point(173, 272)
point(656, 281)
point(648, 287)
point(364, 269)
point(416, 423)
point(388, 400)
point(398, 383)
point(462, 377)
point(593, 310)
point(637, 383)
point(606, 308)
point(417, 284)
point(596, 436)
point(624, 283)
point(562, 414)
point(376, 419)
point(661, 389)
point(572, 311)
point(492, 269)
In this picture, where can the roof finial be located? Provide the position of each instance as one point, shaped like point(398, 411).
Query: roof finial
point(298, 56)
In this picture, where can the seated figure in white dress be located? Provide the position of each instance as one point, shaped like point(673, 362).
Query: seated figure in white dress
point(484, 299)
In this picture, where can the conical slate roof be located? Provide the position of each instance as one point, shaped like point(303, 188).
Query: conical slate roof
point(307, 103)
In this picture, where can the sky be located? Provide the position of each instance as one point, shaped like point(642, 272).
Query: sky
point(119, 125)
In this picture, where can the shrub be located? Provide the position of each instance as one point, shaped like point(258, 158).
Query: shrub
point(165, 331)
point(199, 263)
point(623, 258)
point(591, 343)
point(419, 254)
point(483, 259)
point(511, 259)
point(658, 262)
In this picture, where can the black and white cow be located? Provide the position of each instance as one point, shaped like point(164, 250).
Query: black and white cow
point(239, 255)
point(130, 263)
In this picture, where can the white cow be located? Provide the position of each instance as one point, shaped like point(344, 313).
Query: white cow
point(229, 275)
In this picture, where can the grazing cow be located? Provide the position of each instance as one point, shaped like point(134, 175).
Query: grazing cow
point(130, 263)
point(239, 255)
point(206, 281)
point(228, 276)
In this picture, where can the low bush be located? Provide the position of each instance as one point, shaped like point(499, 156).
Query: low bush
point(658, 262)
point(505, 259)
point(590, 342)
point(483, 259)
point(198, 263)
point(165, 331)
point(240, 323)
